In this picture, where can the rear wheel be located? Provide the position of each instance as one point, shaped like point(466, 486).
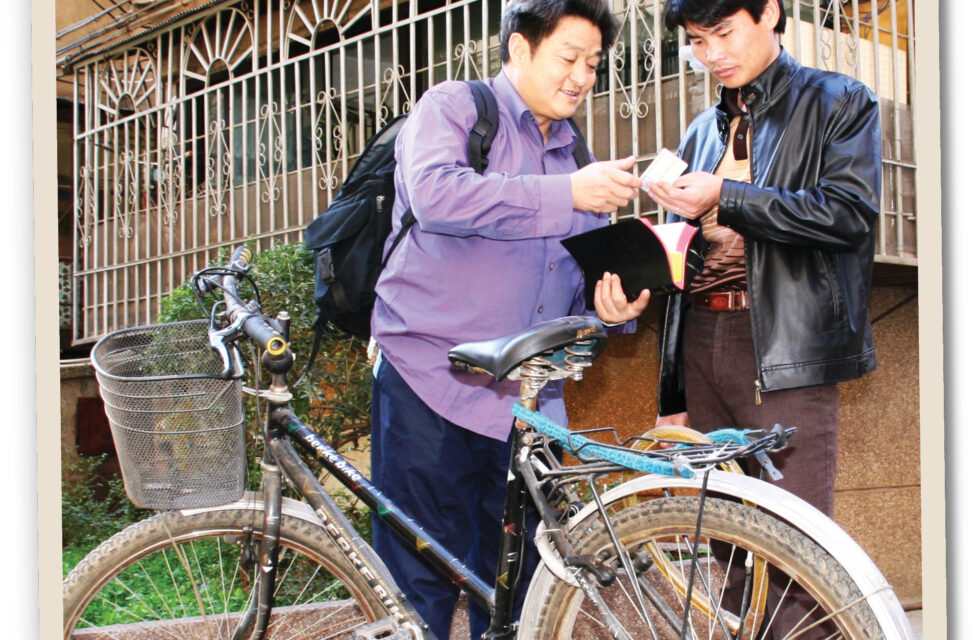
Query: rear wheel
point(186, 575)
point(824, 602)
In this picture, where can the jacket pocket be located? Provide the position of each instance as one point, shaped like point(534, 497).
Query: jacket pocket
point(828, 293)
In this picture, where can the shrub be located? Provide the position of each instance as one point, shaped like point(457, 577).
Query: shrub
point(94, 505)
point(333, 399)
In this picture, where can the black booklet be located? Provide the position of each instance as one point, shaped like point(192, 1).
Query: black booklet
point(658, 257)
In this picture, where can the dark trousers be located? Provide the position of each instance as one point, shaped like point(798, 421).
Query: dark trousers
point(720, 374)
point(452, 482)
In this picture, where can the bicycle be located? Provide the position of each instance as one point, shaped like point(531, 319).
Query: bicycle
point(638, 560)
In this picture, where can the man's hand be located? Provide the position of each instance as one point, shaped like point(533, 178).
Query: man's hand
point(602, 187)
point(690, 196)
point(674, 420)
point(612, 305)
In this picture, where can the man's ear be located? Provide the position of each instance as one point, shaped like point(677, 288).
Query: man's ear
point(519, 49)
point(771, 14)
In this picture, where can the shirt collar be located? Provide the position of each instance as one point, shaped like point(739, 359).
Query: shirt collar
point(561, 134)
point(729, 102)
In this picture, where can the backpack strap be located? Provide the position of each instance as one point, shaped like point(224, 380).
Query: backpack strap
point(485, 127)
point(407, 219)
point(581, 155)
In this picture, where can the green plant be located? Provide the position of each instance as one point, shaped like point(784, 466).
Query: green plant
point(334, 400)
point(94, 505)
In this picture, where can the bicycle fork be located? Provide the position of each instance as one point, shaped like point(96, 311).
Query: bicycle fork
point(260, 607)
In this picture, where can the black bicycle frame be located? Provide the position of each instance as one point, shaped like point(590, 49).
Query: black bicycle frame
point(499, 601)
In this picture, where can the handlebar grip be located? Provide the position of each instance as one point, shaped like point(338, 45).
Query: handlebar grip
point(265, 334)
point(241, 254)
point(256, 326)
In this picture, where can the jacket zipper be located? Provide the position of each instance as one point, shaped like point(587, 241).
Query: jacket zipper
point(750, 293)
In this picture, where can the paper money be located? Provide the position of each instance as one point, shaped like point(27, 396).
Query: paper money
point(666, 167)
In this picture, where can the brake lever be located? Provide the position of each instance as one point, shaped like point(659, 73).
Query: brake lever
point(221, 341)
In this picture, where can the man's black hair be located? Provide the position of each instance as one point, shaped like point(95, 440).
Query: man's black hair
point(709, 13)
point(537, 19)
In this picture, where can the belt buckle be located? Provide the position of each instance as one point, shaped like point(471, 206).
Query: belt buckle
point(722, 301)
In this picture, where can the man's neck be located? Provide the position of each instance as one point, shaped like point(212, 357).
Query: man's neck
point(513, 74)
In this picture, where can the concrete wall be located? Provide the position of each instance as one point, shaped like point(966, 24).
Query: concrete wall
point(878, 479)
point(77, 381)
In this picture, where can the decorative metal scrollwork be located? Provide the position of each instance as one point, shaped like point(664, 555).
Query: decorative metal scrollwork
point(270, 133)
point(223, 40)
point(218, 183)
point(126, 83)
point(835, 21)
point(392, 79)
point(326, 177)
point(308, 18)
point(639, 67)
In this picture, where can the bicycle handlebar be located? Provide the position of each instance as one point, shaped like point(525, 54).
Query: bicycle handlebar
point(255, 325)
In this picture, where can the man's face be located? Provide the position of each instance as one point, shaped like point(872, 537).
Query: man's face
point(737, 49)
point(555, 79)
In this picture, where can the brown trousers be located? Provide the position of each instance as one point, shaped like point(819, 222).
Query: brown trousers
point(720, 374)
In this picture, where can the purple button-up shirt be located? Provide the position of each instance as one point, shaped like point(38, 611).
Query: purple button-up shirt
point(484, 258)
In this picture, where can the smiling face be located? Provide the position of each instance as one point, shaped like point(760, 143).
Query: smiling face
point(737, 50)
point(555, 79)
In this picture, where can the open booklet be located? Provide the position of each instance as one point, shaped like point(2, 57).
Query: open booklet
point(658, 257)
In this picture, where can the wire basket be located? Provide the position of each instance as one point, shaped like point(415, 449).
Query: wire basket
point(178, 426)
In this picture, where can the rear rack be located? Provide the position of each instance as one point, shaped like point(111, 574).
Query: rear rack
point(680, 457)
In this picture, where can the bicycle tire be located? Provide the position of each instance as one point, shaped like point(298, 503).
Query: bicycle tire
point(672, 573)
point(555, 609)
point(136, 582)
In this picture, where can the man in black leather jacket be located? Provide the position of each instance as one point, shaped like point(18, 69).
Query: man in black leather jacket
point(784, 180)
point(780, 314)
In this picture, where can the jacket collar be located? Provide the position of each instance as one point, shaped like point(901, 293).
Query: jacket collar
point(763, 89)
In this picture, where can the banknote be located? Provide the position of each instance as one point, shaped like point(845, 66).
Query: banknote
point(666, 167)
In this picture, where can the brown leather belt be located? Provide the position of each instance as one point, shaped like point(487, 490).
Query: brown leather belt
point(721, 300)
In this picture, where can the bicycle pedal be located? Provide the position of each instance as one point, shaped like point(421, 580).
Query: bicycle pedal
point(384, 629)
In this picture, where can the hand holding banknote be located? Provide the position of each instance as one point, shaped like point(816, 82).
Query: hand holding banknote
point(690, 195)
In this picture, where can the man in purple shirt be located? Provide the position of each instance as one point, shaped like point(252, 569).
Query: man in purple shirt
point(484, 259)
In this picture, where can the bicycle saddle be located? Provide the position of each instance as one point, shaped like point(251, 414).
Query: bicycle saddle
point(499, 356)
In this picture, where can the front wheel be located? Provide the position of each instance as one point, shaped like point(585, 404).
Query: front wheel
point(807, 593)
point(184, 575)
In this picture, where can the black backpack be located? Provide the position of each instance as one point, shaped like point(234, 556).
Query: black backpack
point(348, 238)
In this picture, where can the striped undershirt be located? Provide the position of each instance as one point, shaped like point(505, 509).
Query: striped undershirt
point(724, 268)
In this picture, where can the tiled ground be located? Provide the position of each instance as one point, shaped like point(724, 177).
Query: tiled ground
point(460, 626)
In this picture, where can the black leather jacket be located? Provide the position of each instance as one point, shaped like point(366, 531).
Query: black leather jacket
point(808, 219)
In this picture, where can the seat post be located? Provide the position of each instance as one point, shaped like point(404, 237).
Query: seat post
point(511, 545)
point(528, 395)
